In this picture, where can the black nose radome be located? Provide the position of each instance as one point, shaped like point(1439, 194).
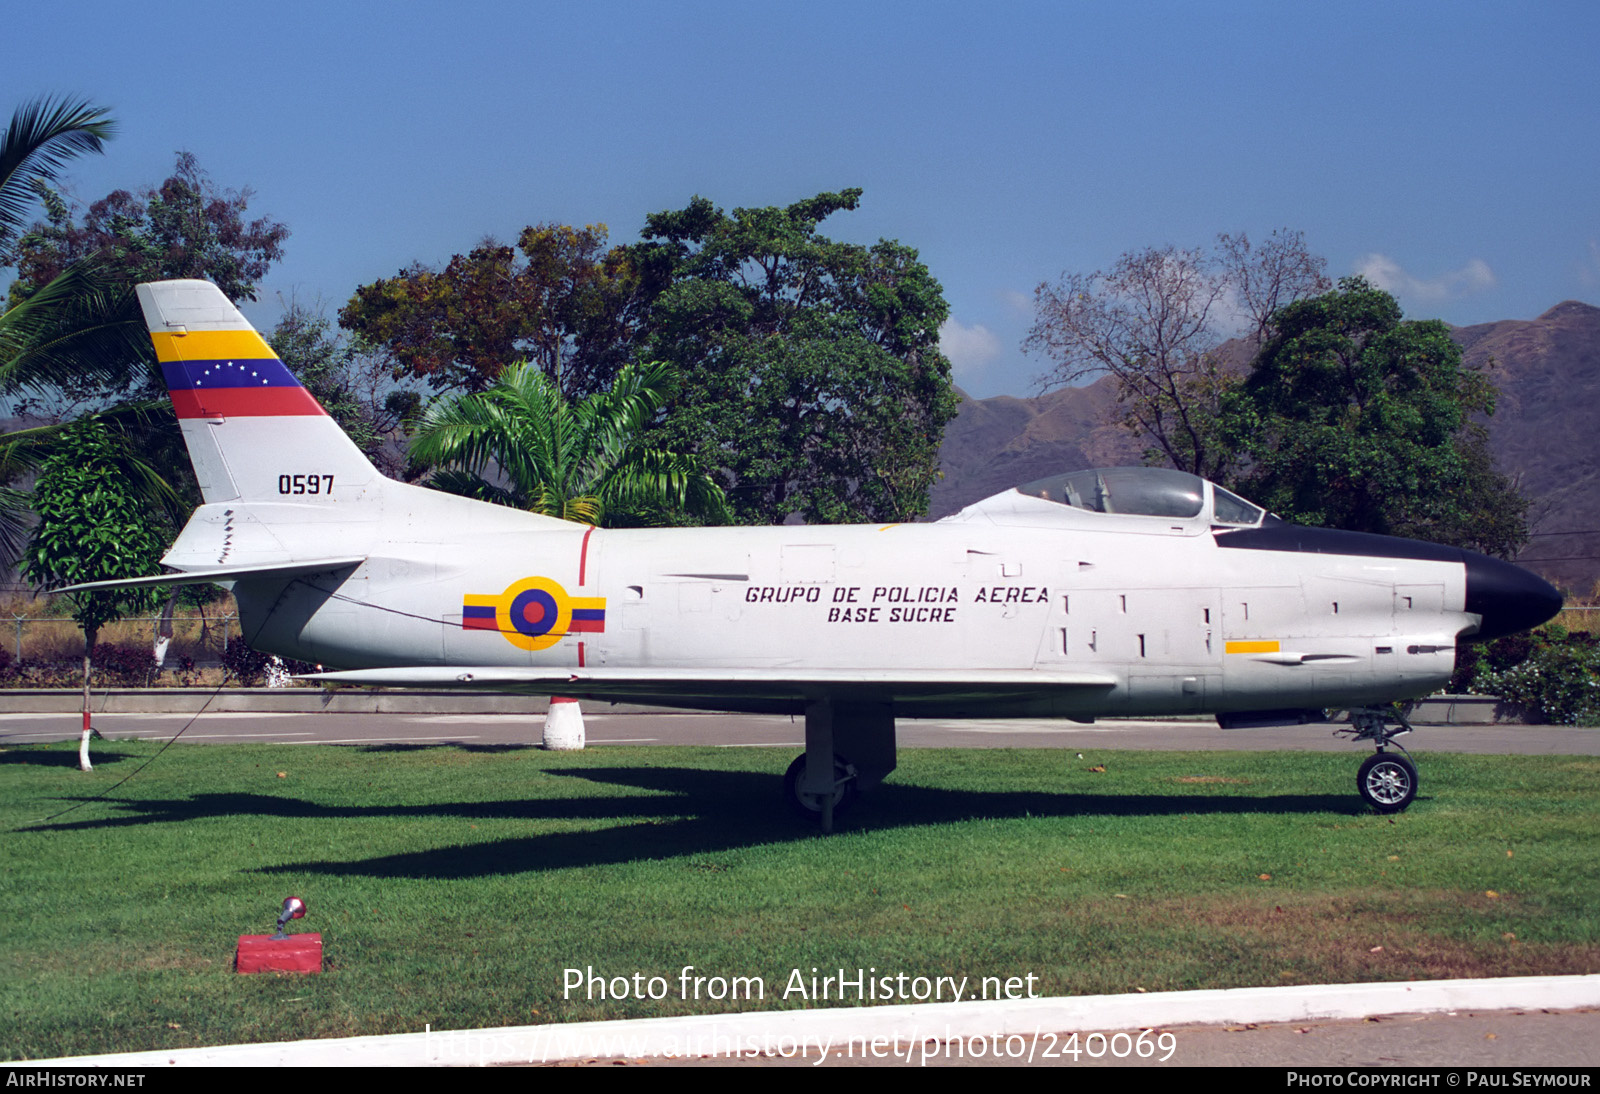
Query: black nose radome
point(1509, 598)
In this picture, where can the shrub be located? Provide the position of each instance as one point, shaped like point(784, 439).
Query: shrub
point(245, 665)
point(43, 674)
point(1469, 663)
point(123, 666)
point(1558, 679)
point(1474, 659)
point(1512, 650)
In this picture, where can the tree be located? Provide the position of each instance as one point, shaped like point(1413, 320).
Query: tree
point(186, 227)
point(560, 298)
point(1352, 418)
point(90, 529)
point(349, 379)
point(1155, 322)
point(578, 460)
point(1260, 280)
point(813, 381)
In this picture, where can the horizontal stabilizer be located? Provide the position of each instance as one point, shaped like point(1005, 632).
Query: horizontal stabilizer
point(222, 573)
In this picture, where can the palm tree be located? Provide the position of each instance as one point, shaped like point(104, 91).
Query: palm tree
point(43, 135)
point(79, 324)
point(570, 460)
point(78, 329)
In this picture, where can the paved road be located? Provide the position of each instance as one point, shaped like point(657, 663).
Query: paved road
point(754, 731)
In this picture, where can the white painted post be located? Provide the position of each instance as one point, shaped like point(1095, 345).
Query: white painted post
point(563, 725)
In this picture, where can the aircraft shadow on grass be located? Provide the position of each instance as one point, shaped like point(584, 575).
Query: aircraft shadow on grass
point(456, 746)
point(59, 757)
point(690, 811)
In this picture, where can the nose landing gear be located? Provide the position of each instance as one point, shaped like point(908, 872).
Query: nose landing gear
point(1386, 781)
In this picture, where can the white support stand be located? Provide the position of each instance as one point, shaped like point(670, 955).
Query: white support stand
point(563, 725)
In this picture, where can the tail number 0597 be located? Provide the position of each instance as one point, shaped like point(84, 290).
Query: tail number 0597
point(305, 484)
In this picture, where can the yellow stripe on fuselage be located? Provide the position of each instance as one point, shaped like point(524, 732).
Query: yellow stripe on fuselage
point(211, 345)
point(1252, 647)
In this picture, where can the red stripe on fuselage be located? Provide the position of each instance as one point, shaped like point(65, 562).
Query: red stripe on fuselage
point(583, 555)
point(244, 402)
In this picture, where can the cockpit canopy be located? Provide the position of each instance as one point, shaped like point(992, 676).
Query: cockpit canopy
point(1144, 491)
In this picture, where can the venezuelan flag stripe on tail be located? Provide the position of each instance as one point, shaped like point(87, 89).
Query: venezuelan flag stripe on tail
point(228, 374)
point(253, 432)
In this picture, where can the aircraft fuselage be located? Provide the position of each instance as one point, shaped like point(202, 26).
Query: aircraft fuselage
point(1176, 618)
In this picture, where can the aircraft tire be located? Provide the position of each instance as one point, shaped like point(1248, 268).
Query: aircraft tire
point(808, 806)
point(1387, 782)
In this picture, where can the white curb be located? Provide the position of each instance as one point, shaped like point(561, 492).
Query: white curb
point(906, 1026)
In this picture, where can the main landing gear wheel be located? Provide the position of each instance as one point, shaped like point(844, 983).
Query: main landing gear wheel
point(1387, 782)
point(809, 806)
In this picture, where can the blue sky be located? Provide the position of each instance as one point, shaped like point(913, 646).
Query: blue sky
point(1446, 149)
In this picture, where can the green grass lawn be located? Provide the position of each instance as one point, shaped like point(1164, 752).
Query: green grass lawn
point(454, 885)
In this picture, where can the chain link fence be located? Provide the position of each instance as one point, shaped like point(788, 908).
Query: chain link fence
point(45, 639)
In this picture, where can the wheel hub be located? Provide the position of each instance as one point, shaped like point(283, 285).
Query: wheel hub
point(1388, 783)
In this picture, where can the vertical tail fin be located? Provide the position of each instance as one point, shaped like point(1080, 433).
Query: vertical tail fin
point(253, 432)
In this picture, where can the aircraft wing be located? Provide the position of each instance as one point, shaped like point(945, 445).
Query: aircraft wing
point(736, 688)
point(220, 574)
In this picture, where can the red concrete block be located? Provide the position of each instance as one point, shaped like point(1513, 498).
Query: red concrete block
point(297, 953)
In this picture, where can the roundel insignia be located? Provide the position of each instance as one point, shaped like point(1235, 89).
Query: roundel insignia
point(534, 613)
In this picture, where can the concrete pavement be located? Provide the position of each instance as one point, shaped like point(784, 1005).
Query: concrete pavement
point(607, 725)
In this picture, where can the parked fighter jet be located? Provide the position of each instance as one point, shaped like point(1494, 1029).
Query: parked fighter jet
point(1126, 591)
